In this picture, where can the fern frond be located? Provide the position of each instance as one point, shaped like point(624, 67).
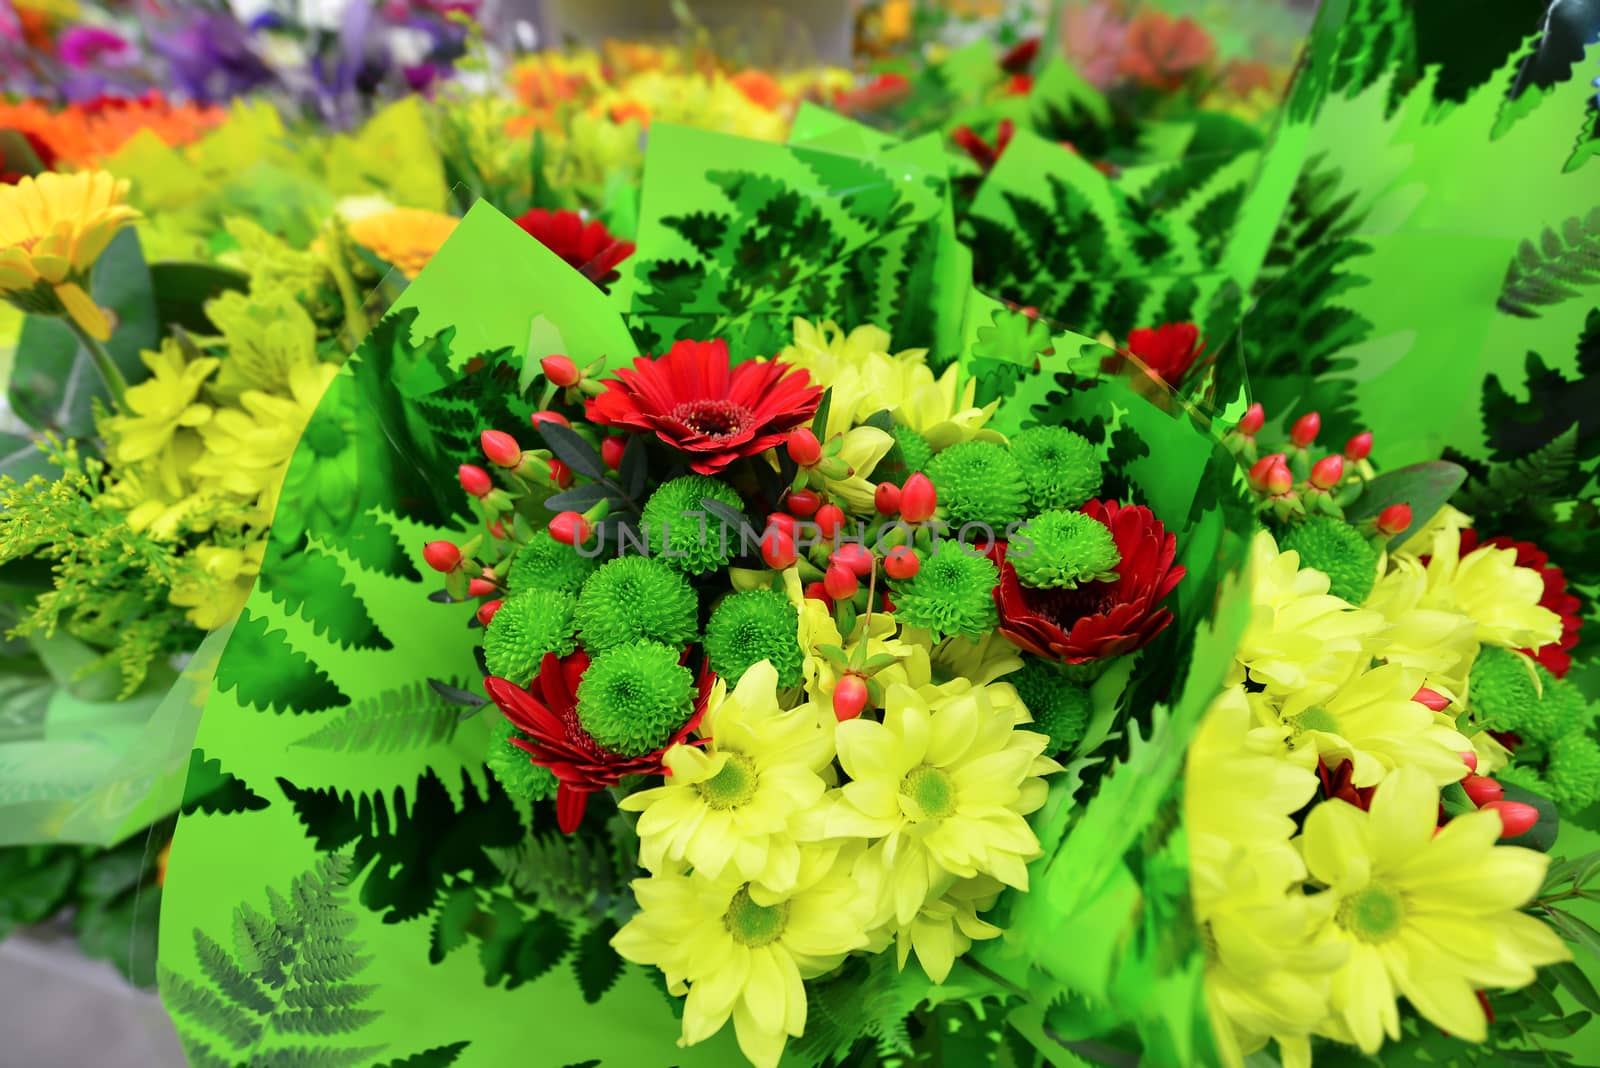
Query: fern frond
point(1538, 476)
point(404, 718)
point(322, 1019)
point(315, 1057)
point(1553, 270)
point(231, 979)
point(199, 1007)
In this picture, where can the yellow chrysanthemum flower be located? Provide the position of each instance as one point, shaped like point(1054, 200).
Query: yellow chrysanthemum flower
point(817, 628)
point(866, 379)
point(157, 409)
point(404, 237)
point(948, 925)
point(726, 809)
point(1447, 519)
point(52, 229)
point(217, 587)
point(1265, 978)
point(1370, 720)
point(739, 953)
point(1430, 917)
point(1299, 635)
point(944, 780)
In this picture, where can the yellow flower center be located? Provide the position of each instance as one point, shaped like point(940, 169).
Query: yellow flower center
point(1315, 719)
point(1372, 914)
point(931, 792)
point(732, 786)
point(754, 925)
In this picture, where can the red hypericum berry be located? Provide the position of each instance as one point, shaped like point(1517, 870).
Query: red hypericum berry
point(840, 582)
point(1436, 701)
point(1481, 790)
point(785, 522)
point(1257, 475)
point(611, 450)
point(803, 503)
point(830, 520)
point(480, 587)
point(560, 474)
point(855, 556)
point(561, 371)
point(886, 499)
point(486, 611)
point(1254, 418)
point(497, 530)
point(902, 562)
point(1470, 759)
point(849, 697)
point(501, 448)
point(1279, 480)
point(1305, 429)
point(1515, 817)
point(918, 499)
point(777, 548)
point(442, 556)
point(539, 419)
point(1326, 472)
point(475, 480)
point(1021, 56)
point(1394, 519)
point(816, 591)
point(570, 528)
point(804, 448)
point(1358, 447)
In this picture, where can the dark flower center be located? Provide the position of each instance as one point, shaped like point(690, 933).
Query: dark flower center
point(713, 418)
point(1065, 607)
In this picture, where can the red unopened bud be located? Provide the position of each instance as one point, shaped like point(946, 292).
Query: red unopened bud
point(538, 419)
point(611, 450)
point(561, 371)
point(840, 582)
point(1515, 817)
point(804, 448)
point(855, 556)
point(830, 520)
point(803, 503)
point(486, 611)
point(850, 697)
point(560, 474)
point(570, 528)
point(817, 592)
point(1305, 429)
point(886, 499)
point(480, 587)
point(901, 563)
point(1279, 480)
point(1470, 759)
point(442, 556)
point(1326, 472)
point(501, 448)
point(475, 480)
point(1257, 475)
point(1482, 790)
point(1254, 418)
point(1358, 447)
point(497, 530)
point(1394, 520)
point(784, 522)
point(918, 499)
point(1436, 701)
point(777, 548)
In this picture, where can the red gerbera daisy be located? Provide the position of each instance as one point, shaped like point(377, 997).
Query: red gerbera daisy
point(1097, 620)
point(696, 402)
point(1168, 350)
point(591, 249)
point(556, 740)
point(982, 152)
point(1555, 656)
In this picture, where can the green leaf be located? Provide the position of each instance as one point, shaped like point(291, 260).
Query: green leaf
point(271, 675)
point(1542, 835)
point(1577, 983)
point(574, 451)
point(1426, 487)
point(596, 964)
point(182, 290)
point(210, 789)
point(438, 1057)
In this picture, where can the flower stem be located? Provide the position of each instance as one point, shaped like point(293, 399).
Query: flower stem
point(110, 373)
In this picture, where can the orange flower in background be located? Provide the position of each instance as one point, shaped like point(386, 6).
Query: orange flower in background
point(1160, 51)
point(86, 134)
point(624, 110)
point(760, 88)
point(404, 237)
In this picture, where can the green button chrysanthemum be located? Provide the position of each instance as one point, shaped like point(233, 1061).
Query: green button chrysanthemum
point(1060, 468)
point(951, 593)
point(747, 628)
point(636, 598)
point(528, 626)
point(633, 698)
point(519, 776)
point(911, 453)
point(1062, 550)
point(1503, 697)
point(546, 564)
point(979, 482)
point(1338, 550)
point(1573, 771)
point(1565, 707)
point(1060, 707)
point(680, 530)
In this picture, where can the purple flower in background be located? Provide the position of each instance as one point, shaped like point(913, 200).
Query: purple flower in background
point(421, 76)
point(87, 46)
point(211, 58)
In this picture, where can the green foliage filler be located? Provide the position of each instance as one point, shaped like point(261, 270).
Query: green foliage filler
point(1503, 696)
point(634, 697)
point(1060, 468)
point(1338, 550)
point(1060, 706)
point(527, 626)
point(979, 482)
point(951, 593)
point(546, 564)
point(752, 626)
point(636, 598)
point(682, 532)
point(1062, 550)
